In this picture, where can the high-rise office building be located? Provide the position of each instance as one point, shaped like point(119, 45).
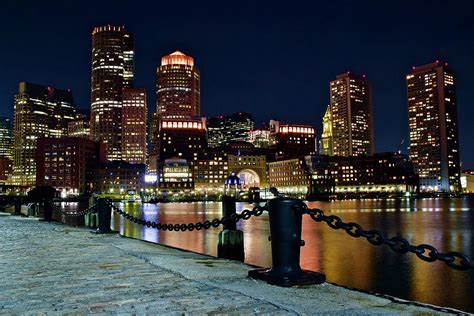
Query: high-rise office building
point(6, 138)
point(134, 119)
point(182, 138)
point(351, 111)
point(79, 127)
point(6, 168)
point(6, 149)
point(154, 144)
point(112, 71)
point(433, 125)
point(292, 140)
point(260, 138)
point(222, 130)
point(325, 145)
point(39, 112)
point(178, 91)
point(128, 60)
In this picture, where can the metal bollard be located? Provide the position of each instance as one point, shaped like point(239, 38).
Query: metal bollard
point(105, 217)
point(228, 208)
point(48, 210)
point(230, 244)
point(285, 231)
point(17, 206)
point(90, 220)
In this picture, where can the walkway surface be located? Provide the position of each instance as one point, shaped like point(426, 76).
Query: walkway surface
point(54, 269)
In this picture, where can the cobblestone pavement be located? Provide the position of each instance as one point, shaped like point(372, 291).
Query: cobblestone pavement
point(54, 269)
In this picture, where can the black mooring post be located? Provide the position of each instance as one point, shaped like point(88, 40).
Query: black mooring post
point(285, 237)
point(17, 206)
point(228, 208)
point(230, 241)
point(48, 209)
point(105, 216)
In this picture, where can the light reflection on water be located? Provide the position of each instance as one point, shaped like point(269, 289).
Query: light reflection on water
point(447, 224)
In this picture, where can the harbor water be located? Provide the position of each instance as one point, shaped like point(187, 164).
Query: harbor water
point(447, 224)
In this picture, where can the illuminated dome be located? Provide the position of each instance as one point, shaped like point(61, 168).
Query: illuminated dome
point(177, 58)
point(232, 180)
point(177, 53)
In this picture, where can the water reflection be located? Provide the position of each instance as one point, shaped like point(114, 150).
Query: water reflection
point(445, 223)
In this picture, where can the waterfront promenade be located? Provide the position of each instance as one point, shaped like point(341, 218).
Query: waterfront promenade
point(51, 268)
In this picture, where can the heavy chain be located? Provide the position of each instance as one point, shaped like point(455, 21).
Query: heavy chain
point(455, 260)
point(92, 209)
point(234, 218)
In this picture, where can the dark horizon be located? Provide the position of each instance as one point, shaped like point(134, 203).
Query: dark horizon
point(263, 58)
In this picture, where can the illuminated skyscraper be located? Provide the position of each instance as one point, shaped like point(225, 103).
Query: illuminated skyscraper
point(6, 167)
point(178, 91)
point(80, 127)
point(134, 119)
point(236, 127)
point(128, 60)
point(432, 114)
point(154, 144)
point(260, 138)
point(351, 111)
point(325, 146)
point(6, 149)
point(182, 138)
point(112, 70)
point(39, 112)
point(292, 140)
point(6, 138)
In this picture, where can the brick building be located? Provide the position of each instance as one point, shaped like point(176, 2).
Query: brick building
point(67, 163)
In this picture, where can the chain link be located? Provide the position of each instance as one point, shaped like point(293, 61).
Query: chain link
point(455, 260)
point(92, 209)
point(207, 224)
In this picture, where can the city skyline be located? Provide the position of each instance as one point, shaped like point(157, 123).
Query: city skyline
point(259, 87)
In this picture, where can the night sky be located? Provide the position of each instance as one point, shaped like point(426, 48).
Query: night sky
point(273, 59)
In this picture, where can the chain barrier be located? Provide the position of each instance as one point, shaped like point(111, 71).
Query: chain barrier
point(234, 218)
point(425, 252)
point(428, 253)
point(92, 209)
